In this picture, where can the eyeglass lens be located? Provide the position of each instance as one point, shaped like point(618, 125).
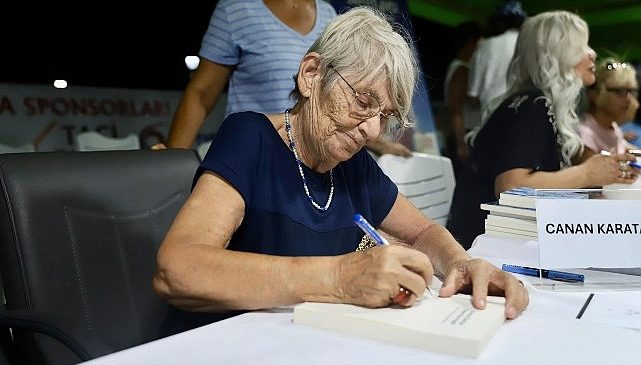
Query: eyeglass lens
point(624, 91)
point(365, 105)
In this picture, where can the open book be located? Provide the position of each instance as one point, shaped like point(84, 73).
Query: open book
point(450, 325)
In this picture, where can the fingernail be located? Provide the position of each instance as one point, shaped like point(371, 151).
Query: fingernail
point(481, 303)
point(510, 312)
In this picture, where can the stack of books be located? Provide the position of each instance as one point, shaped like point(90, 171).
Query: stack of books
point(514, 214)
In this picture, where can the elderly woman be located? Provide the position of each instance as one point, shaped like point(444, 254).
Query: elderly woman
point(612, 100)
point(270, 218)
point(531, 139)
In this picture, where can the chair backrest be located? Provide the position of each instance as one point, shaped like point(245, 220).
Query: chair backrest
point(426, 180)
point(94, 141)
point(78, 240)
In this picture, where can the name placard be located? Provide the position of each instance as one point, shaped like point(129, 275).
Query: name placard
point(589, 232)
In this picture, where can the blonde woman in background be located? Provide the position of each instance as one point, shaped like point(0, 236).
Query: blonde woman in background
point(530, 139)
point(612, 100)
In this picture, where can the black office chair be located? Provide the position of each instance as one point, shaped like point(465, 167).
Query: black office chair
point(78, 239)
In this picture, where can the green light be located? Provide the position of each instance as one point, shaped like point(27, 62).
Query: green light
point(614, 16)
point(436, 13)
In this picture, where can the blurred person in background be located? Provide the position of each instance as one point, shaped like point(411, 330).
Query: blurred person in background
point(256, 46)
point(490, 62)
point(531, 139)
point(612, 101)
point(462, 113)
point(632, 131)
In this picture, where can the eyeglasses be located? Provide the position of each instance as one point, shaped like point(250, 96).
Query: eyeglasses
point(624, 91)
point(617, 66)
point(365, 105)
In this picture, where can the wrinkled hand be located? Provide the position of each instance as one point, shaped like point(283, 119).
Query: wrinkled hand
point(373, 278)
point(603, 170)
point(481, 278)
point(398, 149)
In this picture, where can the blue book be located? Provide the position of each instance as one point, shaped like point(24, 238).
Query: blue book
point(524, 197)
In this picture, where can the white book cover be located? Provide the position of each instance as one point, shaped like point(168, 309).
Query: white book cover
point(513, 211)
point(515, 216)
point(449, 325)
point(510, 222)
point(494, 233)
point(526, 197)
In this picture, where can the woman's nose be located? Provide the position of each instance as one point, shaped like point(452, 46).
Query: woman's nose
point(371, 127)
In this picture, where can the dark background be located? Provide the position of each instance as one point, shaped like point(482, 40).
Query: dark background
point(138, 44)
point(117, 44)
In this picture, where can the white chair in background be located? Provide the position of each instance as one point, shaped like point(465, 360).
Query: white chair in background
point(426, 180)
point(33, 146)
point(202, 149)
point(27, 147)
point(94, 141)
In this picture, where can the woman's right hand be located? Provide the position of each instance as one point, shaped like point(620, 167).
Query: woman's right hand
point(373, 277)
point(603, 170)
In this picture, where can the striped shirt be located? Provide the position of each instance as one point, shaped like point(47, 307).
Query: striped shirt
point(264, 51)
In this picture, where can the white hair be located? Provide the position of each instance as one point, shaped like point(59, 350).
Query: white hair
point(549, 45)
point(361, 43)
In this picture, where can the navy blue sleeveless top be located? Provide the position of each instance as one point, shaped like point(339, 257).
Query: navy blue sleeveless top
point(279, 219)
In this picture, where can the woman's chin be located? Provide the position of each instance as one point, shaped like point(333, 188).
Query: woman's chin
point(345, 153)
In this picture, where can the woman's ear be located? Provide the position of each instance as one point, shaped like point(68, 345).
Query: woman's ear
point(308, 73)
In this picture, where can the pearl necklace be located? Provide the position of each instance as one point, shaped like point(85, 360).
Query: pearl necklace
point(288, 128)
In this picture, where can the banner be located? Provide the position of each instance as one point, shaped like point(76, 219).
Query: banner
point(50, 118)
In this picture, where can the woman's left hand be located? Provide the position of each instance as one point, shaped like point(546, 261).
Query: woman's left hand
point(482, 278)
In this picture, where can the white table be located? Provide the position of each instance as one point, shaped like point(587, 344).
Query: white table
point(547, 333)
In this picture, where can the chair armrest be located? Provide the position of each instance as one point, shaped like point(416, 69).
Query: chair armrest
point(83, 343)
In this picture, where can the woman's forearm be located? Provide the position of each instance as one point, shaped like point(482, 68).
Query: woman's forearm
point(202, 278)
point(573, 177)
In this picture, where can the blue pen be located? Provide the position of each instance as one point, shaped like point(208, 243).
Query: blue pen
point(635, 165)
point(548, 274)
point(364, 225)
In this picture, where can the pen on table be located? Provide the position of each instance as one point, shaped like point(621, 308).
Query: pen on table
point(364, 225)
point(543, 273)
